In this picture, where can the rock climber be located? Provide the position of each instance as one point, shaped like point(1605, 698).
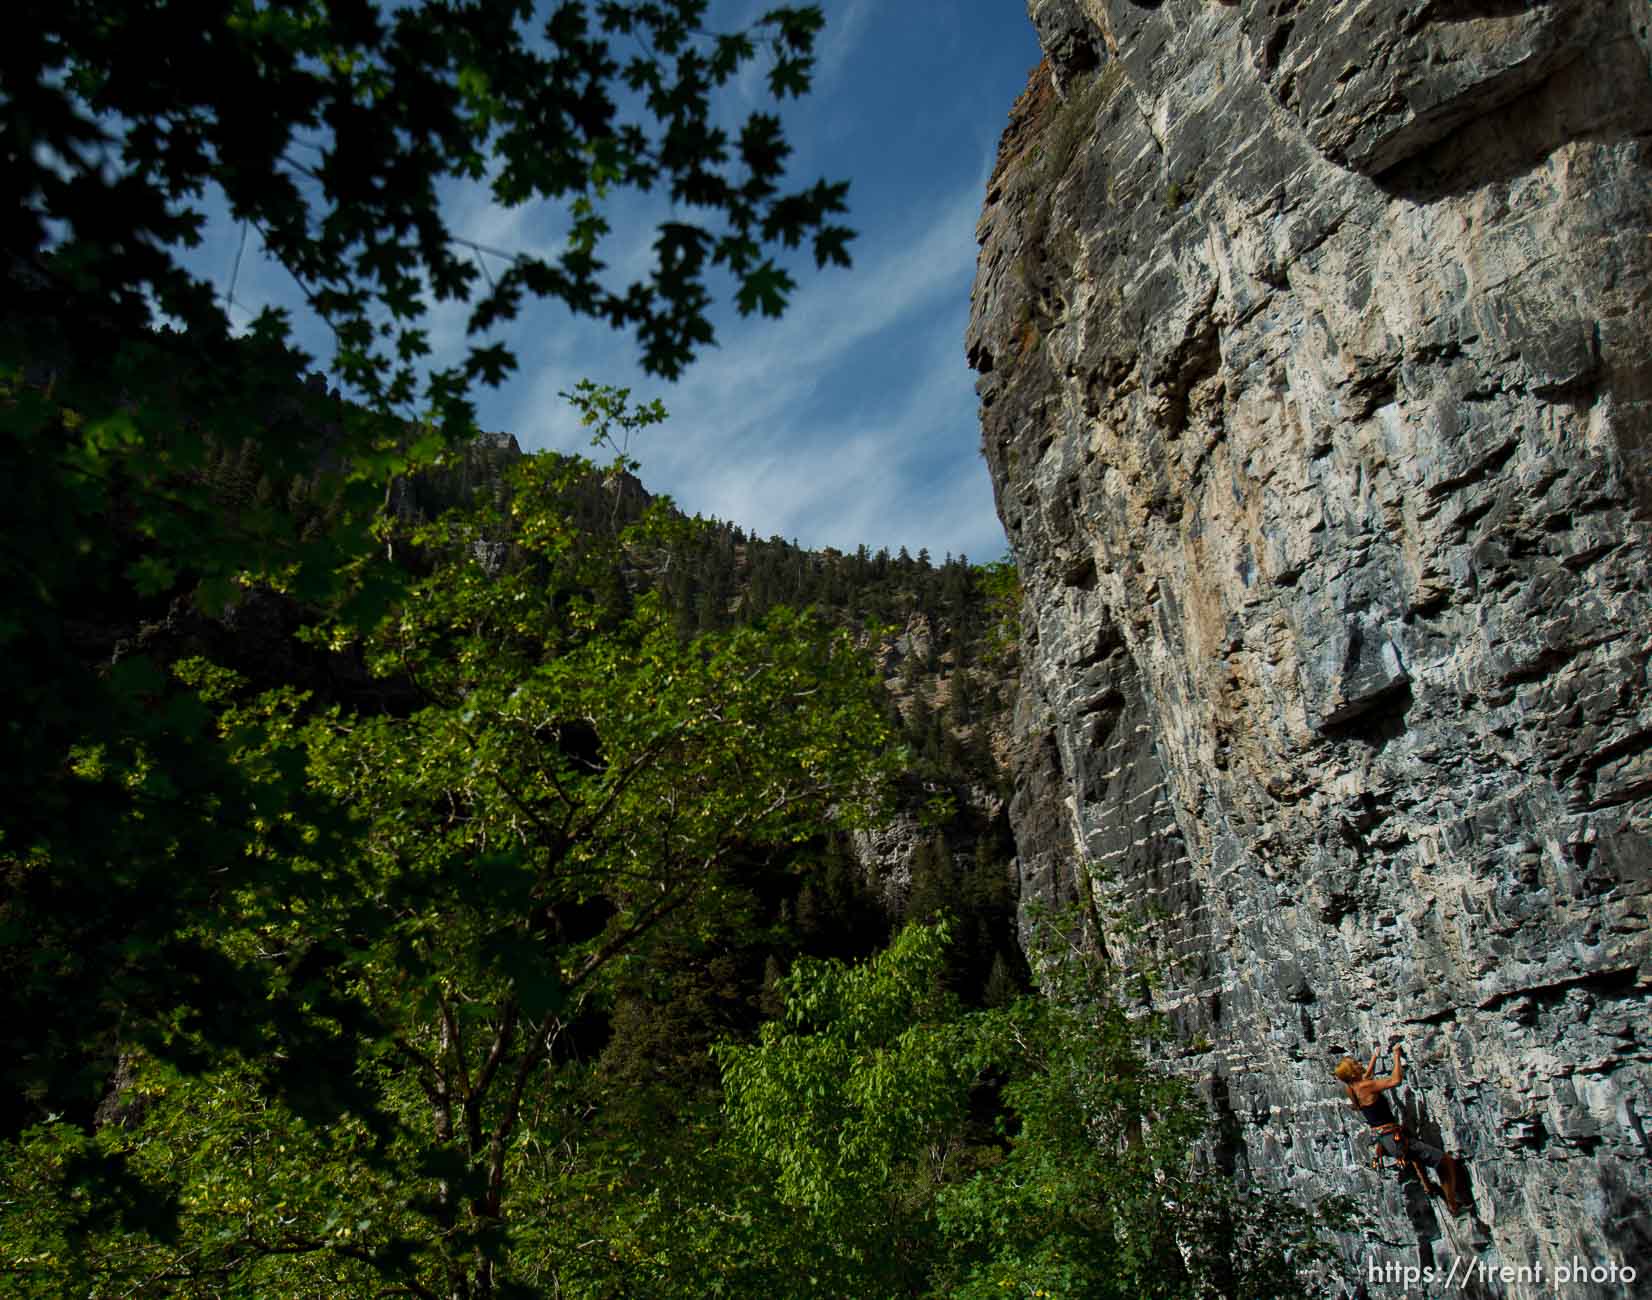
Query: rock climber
point(1365, 1091)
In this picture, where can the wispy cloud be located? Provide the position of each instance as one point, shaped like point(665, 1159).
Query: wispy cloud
point(791, 428)
point(906, 476)
point(850, 419)
point(899, 469)
point(763, 366)
point(845, 24)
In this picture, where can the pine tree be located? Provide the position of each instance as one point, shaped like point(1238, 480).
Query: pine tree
point(932, 891)
point(919, 714)
point(810, 913)
point(1002, 987)
point(960, 700)
point(770, 1001)
point(911, 666)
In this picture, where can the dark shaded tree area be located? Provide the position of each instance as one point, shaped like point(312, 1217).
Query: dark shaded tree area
point(729, 573)
point(134, 510)
point(936, 631)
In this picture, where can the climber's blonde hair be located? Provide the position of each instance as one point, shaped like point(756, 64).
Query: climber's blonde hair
point(1348, 1069)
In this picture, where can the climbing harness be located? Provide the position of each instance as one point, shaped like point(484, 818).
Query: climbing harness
point(1381, 1161)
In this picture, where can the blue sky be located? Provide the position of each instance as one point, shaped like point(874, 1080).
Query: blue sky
point(853, 418)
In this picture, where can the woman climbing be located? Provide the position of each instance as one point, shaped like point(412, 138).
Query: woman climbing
point(1365, 1091)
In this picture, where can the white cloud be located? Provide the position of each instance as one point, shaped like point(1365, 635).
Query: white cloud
point(771, 432)
point(844, 25)
point(905, 475)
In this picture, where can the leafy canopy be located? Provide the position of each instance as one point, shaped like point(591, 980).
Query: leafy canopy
point(331, 129)
point(574, 784)
point(329, 126)
point(856, 1106)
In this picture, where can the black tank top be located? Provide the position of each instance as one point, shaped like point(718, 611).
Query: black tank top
point(1378, 1112)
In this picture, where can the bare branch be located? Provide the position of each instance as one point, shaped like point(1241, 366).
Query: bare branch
point(501, 1044)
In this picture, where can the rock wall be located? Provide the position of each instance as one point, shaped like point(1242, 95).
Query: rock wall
point(1316, 390)
point(979, 824)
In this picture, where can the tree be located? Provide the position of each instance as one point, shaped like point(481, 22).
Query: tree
point(852, 1102)
point(960, 711)
point(564, 797)
point(857, 1104)
point(1000, 585)
point(327, 125)
point(402, 101)
point(934, 889)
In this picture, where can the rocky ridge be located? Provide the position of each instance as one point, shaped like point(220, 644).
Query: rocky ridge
point(1317, 397)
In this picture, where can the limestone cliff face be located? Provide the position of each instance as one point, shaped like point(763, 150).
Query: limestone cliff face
point(1315, 344)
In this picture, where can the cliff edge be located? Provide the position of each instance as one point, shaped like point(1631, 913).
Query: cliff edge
point(1316, 389)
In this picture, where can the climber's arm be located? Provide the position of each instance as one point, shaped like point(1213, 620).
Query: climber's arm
point(1392, 1081)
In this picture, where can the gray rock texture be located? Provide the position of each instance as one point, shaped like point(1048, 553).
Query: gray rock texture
point(887, 854)
point(1316, 389)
